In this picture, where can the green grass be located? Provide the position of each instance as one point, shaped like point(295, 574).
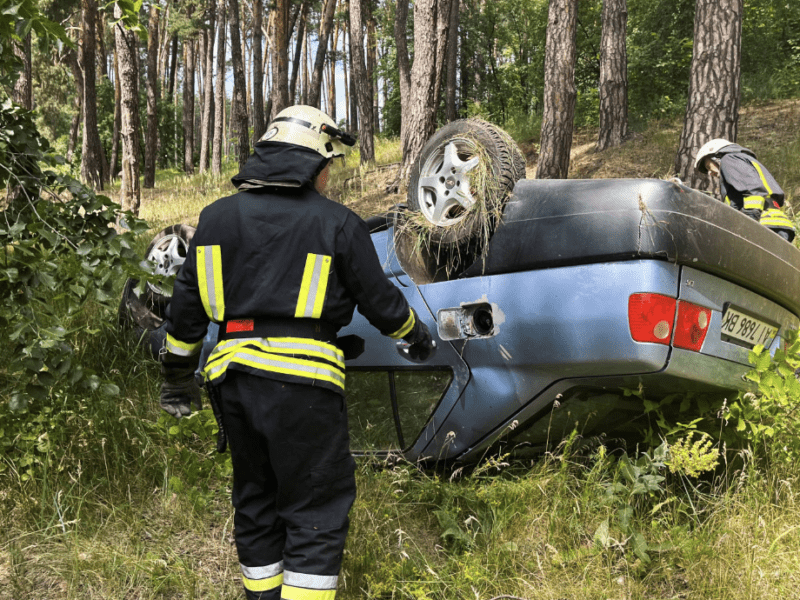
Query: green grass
point(120, 507)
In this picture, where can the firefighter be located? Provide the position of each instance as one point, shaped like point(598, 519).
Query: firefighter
point(281, 268)
point(745, 184)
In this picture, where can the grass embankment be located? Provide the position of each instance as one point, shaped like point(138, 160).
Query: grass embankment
point(126, 506)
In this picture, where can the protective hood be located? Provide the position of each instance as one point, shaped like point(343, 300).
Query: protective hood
point(274, 164)
point(735, 149)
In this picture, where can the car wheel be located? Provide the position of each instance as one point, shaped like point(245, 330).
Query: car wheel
point(166, 252)
point(143, 313)
point(461, 180)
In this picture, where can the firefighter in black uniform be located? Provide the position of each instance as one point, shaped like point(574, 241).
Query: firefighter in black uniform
point(281, 268)
point(745, 184)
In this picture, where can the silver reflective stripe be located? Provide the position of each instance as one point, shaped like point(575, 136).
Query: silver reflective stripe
point(262, 572)
point(300, 345)
point(273, 362)
point(310, 582)
point(313, 287)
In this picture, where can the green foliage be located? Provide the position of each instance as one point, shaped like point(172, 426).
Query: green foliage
point(60, 261)
point(693, 458)
point(769, 419)
point(637, 483)
point(197, 466)
point(17, 19)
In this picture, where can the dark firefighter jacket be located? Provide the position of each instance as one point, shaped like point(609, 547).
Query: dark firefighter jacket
point(281, 268)
point(748, 186)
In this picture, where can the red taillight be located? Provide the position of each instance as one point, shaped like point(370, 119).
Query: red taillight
point(650, 317)
point(692, 326)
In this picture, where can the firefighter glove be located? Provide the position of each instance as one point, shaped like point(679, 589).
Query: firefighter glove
point(420, 340)
point(179, 391)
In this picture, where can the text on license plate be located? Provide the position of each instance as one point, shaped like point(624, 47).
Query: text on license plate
point(747, 329)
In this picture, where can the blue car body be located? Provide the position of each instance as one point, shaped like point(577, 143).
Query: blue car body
point(555, 350)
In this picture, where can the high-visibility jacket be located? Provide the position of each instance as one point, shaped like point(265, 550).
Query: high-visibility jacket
point(281, 268)
point(748, 186)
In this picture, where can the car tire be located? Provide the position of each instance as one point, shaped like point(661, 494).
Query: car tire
point(142, 313)
point(458, 209)
point(166, 251)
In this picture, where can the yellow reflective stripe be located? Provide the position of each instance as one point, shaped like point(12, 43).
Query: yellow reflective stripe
point(263, 585)
point(763, 179)
point(289, 592)
point(264, 361)
point(727, 201)
point(406, 328)
point(754, 202)
point(179, 348)
point(209, 281)
point(304, 346)
point(314, 286)
point(773, 217)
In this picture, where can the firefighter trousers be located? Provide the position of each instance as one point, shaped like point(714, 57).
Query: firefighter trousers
point(293, 485)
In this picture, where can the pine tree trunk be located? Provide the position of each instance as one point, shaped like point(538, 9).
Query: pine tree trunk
point(297, 53)
point(151, 143)
point(331, 76)
point(419, 112)
point(712, 110)
point(443, 8)
point(259, 122)
point(219, 93)
point(372, 62)
point(345, 57)
point(319, 61)
point(188, 106)
point(91, 162)
point(239, 117)
point(613, 75)
point(559, 90)
point(126, 42)
point(173, 71)
point(102, 60)
point(115, 135)
point(362, 83)
point(207, 126)
point(23, 88)
point(451, 109)
point(71, 57)
point(403, 63)
point(280, 52)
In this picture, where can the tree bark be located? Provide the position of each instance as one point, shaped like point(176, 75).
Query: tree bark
point(259, 122)
point(23, 88)
point(126, 42)
point(363, 84)
point(207, 125)
point(188, 105)
point(280, 61)
point(419, 112)
point(173, 71)
point(332, 75)
point(102, 62)
point(151, 143)
point(319, 61)
point(219, 94)
point(297, 53)
point(72, 59)
point(442, 37)
point(613, 75)
point(559, 90)
point(91, 162)
point(451, 109)
point(712, 110)
point(239, 120)
point(115, 135)
point(372, 62)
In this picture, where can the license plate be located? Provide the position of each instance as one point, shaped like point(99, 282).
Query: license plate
point(746, 329)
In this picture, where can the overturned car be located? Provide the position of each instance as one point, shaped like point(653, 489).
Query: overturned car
point(550, 303)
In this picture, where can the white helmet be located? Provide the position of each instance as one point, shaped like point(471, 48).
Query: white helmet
point(709, 149)
point(309, 127)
